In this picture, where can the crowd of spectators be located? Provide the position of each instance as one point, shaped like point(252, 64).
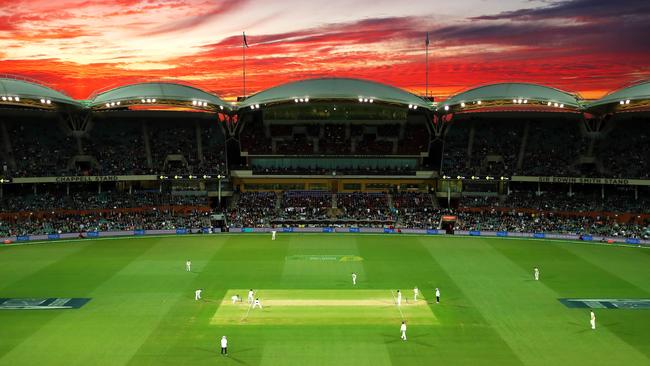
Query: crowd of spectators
point(364, 206)
point(398, 170)
point(47, 148)
point(305, 205)
point(623, 202)
point(93, 201)
point(253, 209)
point(415, 210)
point(105, 221)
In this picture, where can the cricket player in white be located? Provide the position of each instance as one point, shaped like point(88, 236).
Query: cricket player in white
point(399, 298)
point(273, 234)
point(437, 295)
point(536, 273)
point(235, 299)
point(354, 278)
point(188, 265)
point(593, 320)
point(249, 300)
point(416, 292)
point(224, 346)
point(403, 330)
point(257, 304)
point(197, 294)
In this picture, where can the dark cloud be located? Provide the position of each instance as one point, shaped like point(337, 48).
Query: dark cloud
point(578, 9)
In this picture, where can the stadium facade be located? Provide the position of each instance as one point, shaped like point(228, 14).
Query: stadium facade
point(329, 136)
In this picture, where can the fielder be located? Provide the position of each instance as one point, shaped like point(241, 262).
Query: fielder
point(403, 330)
point(399, 298)
point(197, 294)
point(257, 304)
point(249, 300)
point(273, 234)
point(354, 278)
point(416, 292)
point(536, 273)
point(235, 299)
point(188, 265)
point(437, 295)
point(593, 320)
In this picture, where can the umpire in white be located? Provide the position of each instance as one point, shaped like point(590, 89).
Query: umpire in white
point(224, 346)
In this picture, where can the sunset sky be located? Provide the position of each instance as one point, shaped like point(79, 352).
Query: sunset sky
point(81, 46)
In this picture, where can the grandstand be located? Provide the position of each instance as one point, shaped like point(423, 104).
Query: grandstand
point(325, 152)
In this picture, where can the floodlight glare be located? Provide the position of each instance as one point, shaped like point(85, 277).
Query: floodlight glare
point(446, 107)
point(148, 100)
point(194, 102)
point(621, 102)
point(4, 98)
point(360, 99)
point(10, 98)
point(142, 100)
point(626, 102)
point(479, 102)
point(153, 100)
point(306, 99)
point(17, 99)
point(301, 100)
point(296, 100)
point(371, 100)
point(43, 101)
point(252, 107)
point(257, 106)
point(410, 106)
point(548, 104)
point(514, 101)
point(107, 105)
point(462, 104)
point(561, 105)
point(221, 107)
point(525, 101)
point(48, 102)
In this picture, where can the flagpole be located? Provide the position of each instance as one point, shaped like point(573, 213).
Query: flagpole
point(243, 46)
point(426, 93)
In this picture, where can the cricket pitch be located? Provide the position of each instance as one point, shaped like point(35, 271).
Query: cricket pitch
point(323, 307)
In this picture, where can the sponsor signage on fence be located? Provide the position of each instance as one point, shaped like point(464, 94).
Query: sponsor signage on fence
point(50, 303)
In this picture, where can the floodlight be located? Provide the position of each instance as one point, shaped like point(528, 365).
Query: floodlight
point(415, 107)
point(296, 100)
point(462, 104)
point(153, 100)
point(561, 105)
point(148, 100)
point(446, 107)
point(107, 105)
point(301, 100)
point(10, 98)
point(525, 101)
point(479, 102)
point(257, 106)
point(17, 99)
point(42, 101)
point(621, 102)
point(626, 102)
point(514, 101)
point(252, 107)
point(360, 99)
point(548, 104)
point(142, 100)
point(48, 102)
point(4, 98)
point(221, 107)
point(306, 99)
point(194, 102)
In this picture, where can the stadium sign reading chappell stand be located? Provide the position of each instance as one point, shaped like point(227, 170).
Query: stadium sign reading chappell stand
point(578, 180)
point(85, 179)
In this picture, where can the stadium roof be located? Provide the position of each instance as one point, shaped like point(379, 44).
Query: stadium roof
point(335, 88)
point(28, 90)
point(514, 92)
point(157, 93)
point(640, 91)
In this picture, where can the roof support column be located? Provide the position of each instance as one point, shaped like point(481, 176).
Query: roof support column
point(8, 151)
point(147, 147)
point(199, 142)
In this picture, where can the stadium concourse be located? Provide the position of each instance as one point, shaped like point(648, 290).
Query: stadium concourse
point(330, 152)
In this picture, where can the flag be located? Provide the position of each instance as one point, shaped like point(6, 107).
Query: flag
point(245, 42)
point(426, 43)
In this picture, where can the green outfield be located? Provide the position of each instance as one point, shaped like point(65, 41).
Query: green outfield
point(142, 310)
